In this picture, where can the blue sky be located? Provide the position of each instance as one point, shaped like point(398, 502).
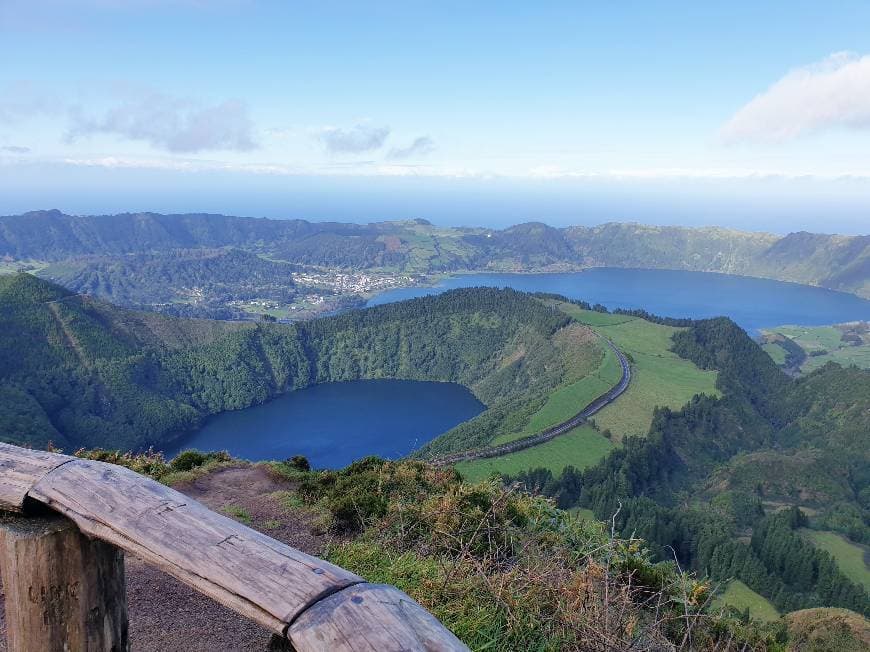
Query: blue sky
point(467, 112)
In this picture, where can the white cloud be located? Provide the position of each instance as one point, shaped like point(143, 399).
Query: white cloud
point(830, 94)
point(420, 147)
point(173, 124)
point(15, 149)
point(356, 140)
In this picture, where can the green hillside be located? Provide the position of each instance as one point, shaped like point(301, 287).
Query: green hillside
point(581, 447)
point(742, 598)
point(660, 378)
point(728, 483)
point(82, 373)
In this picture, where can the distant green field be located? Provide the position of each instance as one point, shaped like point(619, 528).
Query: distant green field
point(659, 376)
point(851, 558)
point(827, 344)
point(775, 351)
point(737, 594)
point(581, 447)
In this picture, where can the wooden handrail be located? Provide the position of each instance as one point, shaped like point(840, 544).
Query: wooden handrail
point(315, 604)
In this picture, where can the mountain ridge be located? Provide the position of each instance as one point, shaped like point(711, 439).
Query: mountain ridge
point(836, 262)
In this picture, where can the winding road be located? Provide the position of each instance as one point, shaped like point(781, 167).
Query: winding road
point(553, 431)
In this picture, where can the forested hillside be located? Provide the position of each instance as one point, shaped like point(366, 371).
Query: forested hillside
point(182, 275)
point(79, 372)
point(726, 484)
point(832, 261)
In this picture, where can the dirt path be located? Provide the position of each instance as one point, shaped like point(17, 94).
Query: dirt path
point(168, 616)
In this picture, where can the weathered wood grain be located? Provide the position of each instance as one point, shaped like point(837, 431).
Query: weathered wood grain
point(64, 591)
point(370, 618)
point(317, 605)
point(20, 469)
point(258, 577)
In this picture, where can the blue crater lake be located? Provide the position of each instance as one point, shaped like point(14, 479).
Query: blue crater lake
point(753, 303)
point(334, 424)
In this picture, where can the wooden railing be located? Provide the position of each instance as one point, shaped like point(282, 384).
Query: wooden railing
point(63, 570)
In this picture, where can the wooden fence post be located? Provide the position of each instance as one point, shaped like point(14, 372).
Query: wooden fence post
point(64, 591)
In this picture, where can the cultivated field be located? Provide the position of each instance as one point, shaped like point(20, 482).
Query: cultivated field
point(580, 448)
point(823, 344)
point(659, 376)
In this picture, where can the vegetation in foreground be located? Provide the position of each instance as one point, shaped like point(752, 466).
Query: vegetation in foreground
point(507, 570)
point(184, 467)
point(824, 630)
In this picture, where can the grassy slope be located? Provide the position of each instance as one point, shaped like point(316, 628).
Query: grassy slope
point(817, 338)
point(740, 596)
point(570, 398)
point(659, 376)
point(581, 447)
point(850, 556)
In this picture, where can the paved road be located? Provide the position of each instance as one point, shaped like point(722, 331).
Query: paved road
point(553, 431)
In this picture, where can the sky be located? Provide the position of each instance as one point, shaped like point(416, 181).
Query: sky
point(743, 114)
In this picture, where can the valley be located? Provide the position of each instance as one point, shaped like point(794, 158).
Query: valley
point(712, 451)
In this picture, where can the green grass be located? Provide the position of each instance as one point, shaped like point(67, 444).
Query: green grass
point(810, 338)
point(737, 594)
point(568, 400)
point(659, 376)
point(850, 556)
point(580, 447)
point(775, 351)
